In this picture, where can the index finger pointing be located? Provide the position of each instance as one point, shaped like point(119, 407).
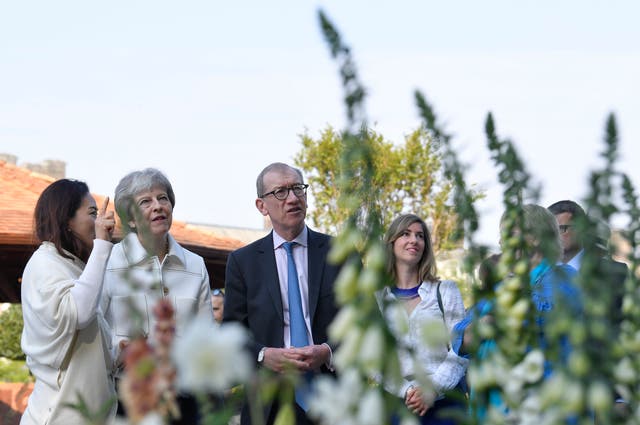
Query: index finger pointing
point(103, 208)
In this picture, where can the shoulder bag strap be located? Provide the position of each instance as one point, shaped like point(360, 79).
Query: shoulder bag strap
point(442, 312)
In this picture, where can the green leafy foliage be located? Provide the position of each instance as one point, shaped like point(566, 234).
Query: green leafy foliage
point(11, 325)
point(408, 177)
point(14, 371)
point(98, 417)
point(603, 360)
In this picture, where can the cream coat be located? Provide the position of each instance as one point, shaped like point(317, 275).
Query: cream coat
point(65, 361)
point(134, 282)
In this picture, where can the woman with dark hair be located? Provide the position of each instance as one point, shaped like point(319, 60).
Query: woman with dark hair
point(424, 298)
point(65, 338)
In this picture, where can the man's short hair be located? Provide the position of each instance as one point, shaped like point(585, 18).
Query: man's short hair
point(276, 166)
point(567, 206)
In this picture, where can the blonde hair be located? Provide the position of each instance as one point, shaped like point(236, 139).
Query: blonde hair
point(541, 226)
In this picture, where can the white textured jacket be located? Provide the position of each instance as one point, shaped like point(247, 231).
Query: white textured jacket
point(65, 360)
point(134, 282)
point(435, 361)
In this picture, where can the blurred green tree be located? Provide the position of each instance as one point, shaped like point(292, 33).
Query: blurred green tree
point(409, 176)
point(10, 333)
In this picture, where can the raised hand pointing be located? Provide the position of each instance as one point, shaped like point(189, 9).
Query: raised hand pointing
point(105, 222)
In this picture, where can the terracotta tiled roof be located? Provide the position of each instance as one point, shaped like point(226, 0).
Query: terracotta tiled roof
point(19, 192)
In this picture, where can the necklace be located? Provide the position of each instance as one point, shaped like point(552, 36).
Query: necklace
point(405, 294)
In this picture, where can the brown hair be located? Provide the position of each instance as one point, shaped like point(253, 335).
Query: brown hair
point(57, 205)
point(541, 229)
point(427, 270)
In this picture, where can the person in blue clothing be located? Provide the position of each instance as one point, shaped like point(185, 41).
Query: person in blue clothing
point(552, 287)
point(462, 335)
point(424, 298)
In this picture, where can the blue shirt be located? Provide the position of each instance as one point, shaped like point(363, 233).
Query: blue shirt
point(550, 285)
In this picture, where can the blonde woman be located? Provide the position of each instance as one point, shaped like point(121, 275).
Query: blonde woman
point(424, 298)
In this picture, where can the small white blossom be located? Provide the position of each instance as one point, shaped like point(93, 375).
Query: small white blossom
point(505, 297)
point(371, 411)
point(480, 377)
point(346, 242)
point(532, 403)
point(346, 284)
point(513, 390)
point(552, 390)
point(519, 309)
point(599, 396)
point(409, 420)
point(348, 350)
point(572, 397)
point(152, 419)
point(335, 401)
point(433, 333)
point(531, 368)
point(397, 318)
point(372, 349)
point(341, 324)
point(210, 358)
point(579, 363)
point(369, 281)
point(376, 257)
point(392, 370)
point(624, 371)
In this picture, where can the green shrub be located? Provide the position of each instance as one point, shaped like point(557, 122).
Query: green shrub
point(10, 332)
point(14, 371)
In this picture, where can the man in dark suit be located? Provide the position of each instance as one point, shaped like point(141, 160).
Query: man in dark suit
point(568, 213)
point(257, 278)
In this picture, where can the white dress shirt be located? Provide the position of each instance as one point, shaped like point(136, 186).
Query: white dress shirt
point(439, 363)
point(301, 258)
point(576, 261)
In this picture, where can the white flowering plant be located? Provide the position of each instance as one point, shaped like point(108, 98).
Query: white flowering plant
point(599, 377)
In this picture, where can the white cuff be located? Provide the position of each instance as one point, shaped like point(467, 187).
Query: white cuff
point(88, 287)
point(329, 364)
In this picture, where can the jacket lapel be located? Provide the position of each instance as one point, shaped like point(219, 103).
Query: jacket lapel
point(317, 247)
point(266, 262)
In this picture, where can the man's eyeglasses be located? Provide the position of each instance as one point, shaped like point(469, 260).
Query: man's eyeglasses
point(217, 292)
point(564, 228)
point(282, 193)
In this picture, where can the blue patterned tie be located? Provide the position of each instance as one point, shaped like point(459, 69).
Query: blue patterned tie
point(297, 327)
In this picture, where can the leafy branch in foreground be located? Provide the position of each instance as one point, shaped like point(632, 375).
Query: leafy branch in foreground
point(627, 370)
point(599, 360)
point(99, 417)
point(367, 348)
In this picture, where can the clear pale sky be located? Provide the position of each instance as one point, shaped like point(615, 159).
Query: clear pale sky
point(210, 91)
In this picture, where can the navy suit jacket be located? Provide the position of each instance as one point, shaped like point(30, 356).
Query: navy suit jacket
point(252, 291)
point(252, 297)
